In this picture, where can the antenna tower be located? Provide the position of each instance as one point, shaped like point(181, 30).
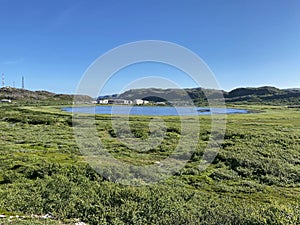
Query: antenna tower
point(23, 84)
point(3, 80)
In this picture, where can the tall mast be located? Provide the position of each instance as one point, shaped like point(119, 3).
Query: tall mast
point(23, 84)
point(3, 80)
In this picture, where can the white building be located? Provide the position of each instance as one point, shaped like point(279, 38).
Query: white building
point(119, 101)
point(140, 102)
point(103, 101)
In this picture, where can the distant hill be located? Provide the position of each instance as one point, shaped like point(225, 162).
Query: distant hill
point(26, 96)
point(261, 91)
point(264, 95)
point(261, 95)
point(198, 95)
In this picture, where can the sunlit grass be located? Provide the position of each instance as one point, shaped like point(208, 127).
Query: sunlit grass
point(254, 179)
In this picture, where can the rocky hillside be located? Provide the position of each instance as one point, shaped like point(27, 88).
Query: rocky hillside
point(26, 96)
point(266, 94)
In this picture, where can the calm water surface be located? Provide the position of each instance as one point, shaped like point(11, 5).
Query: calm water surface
point(152, 110)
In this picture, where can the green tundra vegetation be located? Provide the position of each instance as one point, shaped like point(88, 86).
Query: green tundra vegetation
point(254, 179)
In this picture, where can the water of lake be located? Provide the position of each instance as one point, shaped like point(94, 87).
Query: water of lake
point(152, 110)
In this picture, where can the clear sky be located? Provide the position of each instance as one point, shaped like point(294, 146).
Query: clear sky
point(244, 42)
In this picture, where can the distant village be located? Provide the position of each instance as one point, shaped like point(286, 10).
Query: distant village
point(106, 100)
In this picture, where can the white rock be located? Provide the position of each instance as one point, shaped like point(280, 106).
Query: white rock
point(47, 216)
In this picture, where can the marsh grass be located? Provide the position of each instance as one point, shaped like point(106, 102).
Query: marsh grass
point(255, 178)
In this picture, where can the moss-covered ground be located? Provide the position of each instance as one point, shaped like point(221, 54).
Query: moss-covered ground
point(254, 179)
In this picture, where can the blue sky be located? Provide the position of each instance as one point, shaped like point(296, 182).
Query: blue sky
point(244, 42)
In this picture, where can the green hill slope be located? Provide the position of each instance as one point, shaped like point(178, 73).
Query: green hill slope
point(39, 97)
point(261, 95)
